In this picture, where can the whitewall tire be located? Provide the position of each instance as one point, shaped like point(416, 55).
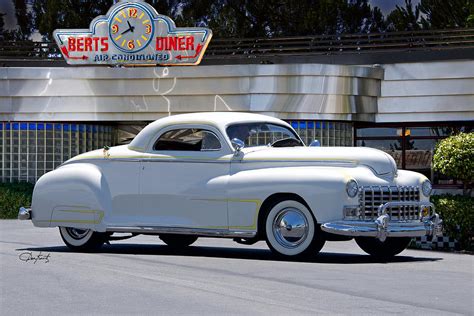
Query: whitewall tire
point(291, 231)
point(81, 239)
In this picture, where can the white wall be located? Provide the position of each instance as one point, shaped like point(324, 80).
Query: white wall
point(432, 91)
point(136, 94)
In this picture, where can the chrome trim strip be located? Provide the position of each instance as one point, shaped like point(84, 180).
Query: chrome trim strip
point(182, 231)
point(151, 160)
point(185, 161)
point(359, 229)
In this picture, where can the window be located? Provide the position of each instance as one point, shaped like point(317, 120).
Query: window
point(259, 134)
point(30, 149)
point(411, 146)
point(188, 139)
point(328, 133)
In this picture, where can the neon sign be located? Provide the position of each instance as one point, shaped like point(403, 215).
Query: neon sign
point(133, 33)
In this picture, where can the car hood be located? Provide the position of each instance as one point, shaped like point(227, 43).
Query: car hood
point(380, 162)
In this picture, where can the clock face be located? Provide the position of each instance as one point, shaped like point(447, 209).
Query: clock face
point(131, 29)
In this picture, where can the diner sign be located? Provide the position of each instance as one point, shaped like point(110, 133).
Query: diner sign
point(133, 33)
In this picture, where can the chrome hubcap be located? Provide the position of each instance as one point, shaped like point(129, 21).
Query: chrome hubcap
point(290, 227)
point(77, 233)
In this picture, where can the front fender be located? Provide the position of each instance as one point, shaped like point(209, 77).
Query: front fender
point(322, 188)
point(74, 195)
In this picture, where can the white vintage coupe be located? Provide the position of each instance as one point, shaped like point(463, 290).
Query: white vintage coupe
point(234, 175)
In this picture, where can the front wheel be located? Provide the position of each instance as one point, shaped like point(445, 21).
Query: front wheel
point(392, 246)
point(178, 241)
point(82, 239)
point(291, 230)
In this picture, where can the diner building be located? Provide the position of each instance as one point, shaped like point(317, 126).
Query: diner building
point(402, 100)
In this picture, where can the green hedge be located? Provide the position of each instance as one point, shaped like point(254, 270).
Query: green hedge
point(457, 212)
point(12, 196)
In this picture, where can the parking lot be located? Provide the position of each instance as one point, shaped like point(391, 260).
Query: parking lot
point(38, 274)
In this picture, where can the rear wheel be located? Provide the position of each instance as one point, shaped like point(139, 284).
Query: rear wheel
point(392, 246)
point(82, 239)
point(291, 230)
point(178, 241)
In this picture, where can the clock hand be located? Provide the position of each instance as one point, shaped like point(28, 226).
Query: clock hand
point(128, 30)
point(131, 28)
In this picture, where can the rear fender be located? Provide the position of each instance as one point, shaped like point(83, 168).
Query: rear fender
point(74, 195)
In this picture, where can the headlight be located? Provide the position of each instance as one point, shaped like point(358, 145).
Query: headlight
point(352, 188)
point(426, 188)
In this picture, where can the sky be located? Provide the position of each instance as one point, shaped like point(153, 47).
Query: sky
point(386, 6)
point(6, 6)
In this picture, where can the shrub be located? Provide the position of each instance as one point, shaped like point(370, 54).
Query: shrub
point(457, 212)
point(13, 196)
point(454, 157)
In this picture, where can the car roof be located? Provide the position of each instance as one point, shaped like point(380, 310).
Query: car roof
point(220, 120)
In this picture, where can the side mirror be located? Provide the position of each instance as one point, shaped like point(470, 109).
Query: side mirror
point(237, 144)
point(315, 143)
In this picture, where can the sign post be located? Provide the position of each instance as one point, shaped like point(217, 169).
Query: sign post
point(133, 33)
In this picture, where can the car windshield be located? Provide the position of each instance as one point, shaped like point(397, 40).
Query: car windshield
point(263, 134)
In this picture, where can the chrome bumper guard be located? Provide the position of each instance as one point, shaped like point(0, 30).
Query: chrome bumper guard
point(24, 213)
point(382, 227)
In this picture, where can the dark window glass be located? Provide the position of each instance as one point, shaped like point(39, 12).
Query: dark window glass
point(188, 139)
point(419, 155)
point(393, 147)
point(259, 134)
point(419, 145)
point(437, 131)
point(378, 131)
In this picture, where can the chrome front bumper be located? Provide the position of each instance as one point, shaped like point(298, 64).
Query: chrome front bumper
point(24, 213)
point(382, 227)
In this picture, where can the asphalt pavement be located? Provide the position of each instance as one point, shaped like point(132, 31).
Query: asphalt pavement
point(217, 276)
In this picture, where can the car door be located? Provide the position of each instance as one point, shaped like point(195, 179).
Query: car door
point(184, 179)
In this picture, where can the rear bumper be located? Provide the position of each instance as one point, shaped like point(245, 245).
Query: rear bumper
point(24, 213)
point(383, 227)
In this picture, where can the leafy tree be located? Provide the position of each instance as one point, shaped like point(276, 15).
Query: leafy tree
point(8, 35)
point(454, 157)
point(53, 14)
point(358, 16)
point(24, 20)
point(256, 18)
point(404, 18)
point(272, 18)
point(441, 14)
point(2, 22)
point(3, 33)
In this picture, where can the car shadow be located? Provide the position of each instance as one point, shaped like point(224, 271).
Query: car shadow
point(236, 253)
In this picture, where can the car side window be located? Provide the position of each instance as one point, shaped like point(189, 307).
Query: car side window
point(188, 139)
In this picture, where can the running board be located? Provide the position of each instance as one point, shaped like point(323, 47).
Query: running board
point(182, 231)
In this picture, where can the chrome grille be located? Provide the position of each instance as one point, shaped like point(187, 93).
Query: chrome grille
point(371, 197)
